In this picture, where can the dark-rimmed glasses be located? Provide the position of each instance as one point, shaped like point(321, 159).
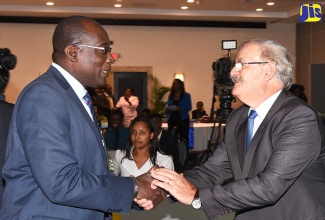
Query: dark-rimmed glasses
point(239, 65)
point(103, 50)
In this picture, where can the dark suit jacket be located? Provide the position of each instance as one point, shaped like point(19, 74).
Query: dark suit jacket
point(102, 105)
point(169, 145)
point(196, 114)
point(5, 116)
point(282, 176)
point(56, 165)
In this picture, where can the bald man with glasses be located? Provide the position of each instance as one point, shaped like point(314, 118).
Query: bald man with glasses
point(56, 162)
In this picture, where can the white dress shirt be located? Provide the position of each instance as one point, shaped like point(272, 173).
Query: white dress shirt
point(129, 167)
point(77, 87)
point(263, 109)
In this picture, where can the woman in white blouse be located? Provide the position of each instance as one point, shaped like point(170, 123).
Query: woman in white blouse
point(129, 104)
point(142, 152)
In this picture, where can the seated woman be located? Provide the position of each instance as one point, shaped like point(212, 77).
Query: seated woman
point(142, 151)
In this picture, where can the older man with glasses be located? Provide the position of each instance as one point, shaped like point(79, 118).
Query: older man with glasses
point(271, 163)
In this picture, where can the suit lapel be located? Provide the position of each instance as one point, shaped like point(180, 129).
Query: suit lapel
point(74, 98)
point(241, 149)
point(260, 131)
point(238, 121)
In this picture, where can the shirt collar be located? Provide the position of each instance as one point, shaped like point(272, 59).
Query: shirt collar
point(159, 135)
point(264, 108)
point(77, 87)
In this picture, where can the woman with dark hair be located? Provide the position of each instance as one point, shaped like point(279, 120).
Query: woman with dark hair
point(179, 104)
point(129, 104)
point(142, 151)
point(7, 62)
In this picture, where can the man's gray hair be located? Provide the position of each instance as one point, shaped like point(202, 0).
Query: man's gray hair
point(283, 58)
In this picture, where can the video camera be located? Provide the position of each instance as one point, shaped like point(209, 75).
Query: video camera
point(222, 68)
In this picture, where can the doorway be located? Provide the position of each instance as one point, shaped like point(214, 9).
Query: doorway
point(136, 80)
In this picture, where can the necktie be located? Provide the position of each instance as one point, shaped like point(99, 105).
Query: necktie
point(89, 103)
point(250, 126)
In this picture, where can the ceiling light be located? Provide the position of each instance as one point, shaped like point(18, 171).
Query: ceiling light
point(259, 9)
point(117, 5)
point(184, 7)
point(50, 3)
point(190, 1)
point(270, 3)
point(180, 76)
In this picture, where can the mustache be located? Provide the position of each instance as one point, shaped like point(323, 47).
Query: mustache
point(236, 79)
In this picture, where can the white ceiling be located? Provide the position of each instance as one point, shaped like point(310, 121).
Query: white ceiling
point(203, 10)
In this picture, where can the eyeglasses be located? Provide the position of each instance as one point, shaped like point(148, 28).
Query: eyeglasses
point(103, 50)
point(239, 65)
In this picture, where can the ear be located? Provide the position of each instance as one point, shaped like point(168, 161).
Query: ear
point(270, 71)
point(72, 53)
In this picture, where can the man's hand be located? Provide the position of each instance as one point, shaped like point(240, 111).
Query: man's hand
point(176, 184)
point(148, 197)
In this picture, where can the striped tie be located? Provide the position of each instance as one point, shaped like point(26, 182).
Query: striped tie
point(89, 103)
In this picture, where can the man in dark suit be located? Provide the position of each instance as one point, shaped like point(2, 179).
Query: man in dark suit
point(167, 142)
point(199, 112)
point(7, 62)
point(56, 162)
point(279, 172)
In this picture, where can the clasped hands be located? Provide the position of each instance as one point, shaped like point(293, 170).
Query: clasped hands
point(158, 182)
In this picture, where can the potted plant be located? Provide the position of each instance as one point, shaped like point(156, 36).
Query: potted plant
point(158, 101)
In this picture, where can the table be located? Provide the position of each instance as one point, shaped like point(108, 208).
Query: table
point(202, 134)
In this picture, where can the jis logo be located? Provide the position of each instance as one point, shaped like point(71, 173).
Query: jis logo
point(310, 12)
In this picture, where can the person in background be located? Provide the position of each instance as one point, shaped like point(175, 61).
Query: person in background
point(129, 104)
point(101, 102)
point(142, 151)
point(8, 62)
point(199, 112)
point(178, 106)
point(299, 91)
point(145, 112)
point(108, 92)
point(56, 163)
point(116, 136)
point(167, 142)
point(274, 148)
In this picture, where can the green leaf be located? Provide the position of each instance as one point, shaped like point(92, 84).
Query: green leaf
point(159, 92)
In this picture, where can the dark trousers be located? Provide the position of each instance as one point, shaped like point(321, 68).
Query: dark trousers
point(181, 130)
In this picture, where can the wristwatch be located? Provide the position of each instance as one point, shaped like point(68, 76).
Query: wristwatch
point(196, 203)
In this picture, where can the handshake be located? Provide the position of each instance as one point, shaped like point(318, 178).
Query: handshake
point(154, 186)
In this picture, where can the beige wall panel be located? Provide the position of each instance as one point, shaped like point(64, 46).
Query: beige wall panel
point(167, 50)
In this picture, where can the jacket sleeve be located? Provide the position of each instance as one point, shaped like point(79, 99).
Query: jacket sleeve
point(294, 143)
point(186, 103)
